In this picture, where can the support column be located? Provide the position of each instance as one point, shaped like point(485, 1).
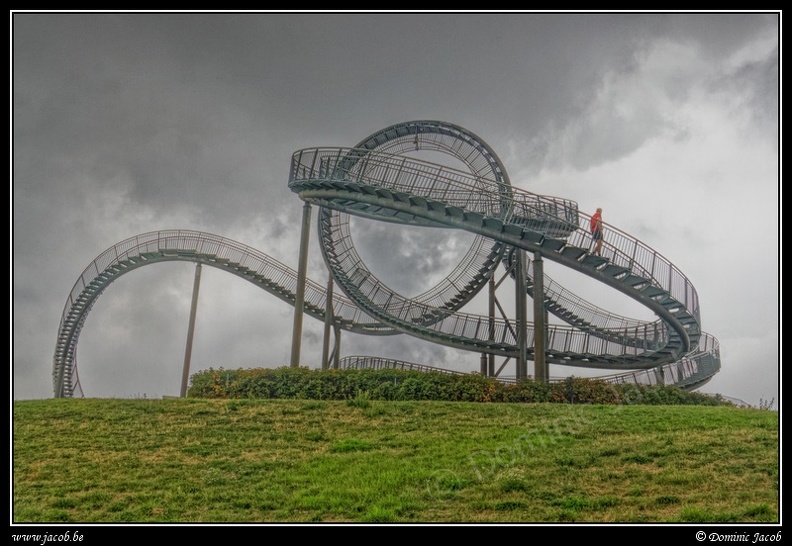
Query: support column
point(328, 324)
point(190, 332)
point(522, 315)
point(540, 321)
point(299, 296)
point(337, 349)
point(659, 376)
point(491, 310)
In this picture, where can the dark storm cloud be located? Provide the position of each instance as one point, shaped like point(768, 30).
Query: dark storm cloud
point(127, 122)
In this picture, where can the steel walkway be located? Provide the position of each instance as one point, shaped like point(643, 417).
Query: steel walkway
point(379, 179)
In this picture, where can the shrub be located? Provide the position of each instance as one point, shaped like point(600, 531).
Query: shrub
point(395, 384)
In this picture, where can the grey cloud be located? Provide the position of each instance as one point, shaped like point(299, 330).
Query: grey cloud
point(125, 123)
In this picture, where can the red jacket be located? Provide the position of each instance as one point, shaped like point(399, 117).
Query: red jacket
point(595, 220)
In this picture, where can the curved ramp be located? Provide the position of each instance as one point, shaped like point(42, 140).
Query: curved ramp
point(190, 246)
point(378, 179)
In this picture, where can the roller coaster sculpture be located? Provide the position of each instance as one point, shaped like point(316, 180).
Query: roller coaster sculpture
point(385, 178)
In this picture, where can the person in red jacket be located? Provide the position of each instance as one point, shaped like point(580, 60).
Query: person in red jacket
point(596, 231)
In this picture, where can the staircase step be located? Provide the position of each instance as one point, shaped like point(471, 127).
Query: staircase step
point(455, 212)
point(532, 236)
point(633, 280)
point(553, 244)
point(436, 206)
point(652, 291)
point(573, 252)
point(513, 229)
point(594, 260)
point(494, 224)
point(613, 270)
point(474, 217)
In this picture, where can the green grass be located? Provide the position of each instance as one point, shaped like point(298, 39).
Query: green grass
point(369, 461)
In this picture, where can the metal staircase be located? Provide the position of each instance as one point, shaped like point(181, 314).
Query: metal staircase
point(349, 191)
point(379, 179)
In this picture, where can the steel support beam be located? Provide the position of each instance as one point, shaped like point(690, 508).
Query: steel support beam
point(491, 312)
point(299, 296)
point(336, 357)
point(190, 331)
point(328, 323)
point(540, 321)
point(522, 314)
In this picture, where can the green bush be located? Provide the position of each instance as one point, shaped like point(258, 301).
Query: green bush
point(395, 384)
point(525, 391)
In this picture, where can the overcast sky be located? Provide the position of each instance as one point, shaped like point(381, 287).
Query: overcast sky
point(129, 123)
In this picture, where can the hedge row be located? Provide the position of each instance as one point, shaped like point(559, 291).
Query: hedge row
point(394, 384)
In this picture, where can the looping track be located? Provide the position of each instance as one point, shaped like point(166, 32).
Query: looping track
point(385, 178)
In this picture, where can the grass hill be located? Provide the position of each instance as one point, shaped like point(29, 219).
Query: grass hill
point(394, 462)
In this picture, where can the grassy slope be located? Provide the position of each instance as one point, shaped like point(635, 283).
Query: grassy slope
point(189, 460)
